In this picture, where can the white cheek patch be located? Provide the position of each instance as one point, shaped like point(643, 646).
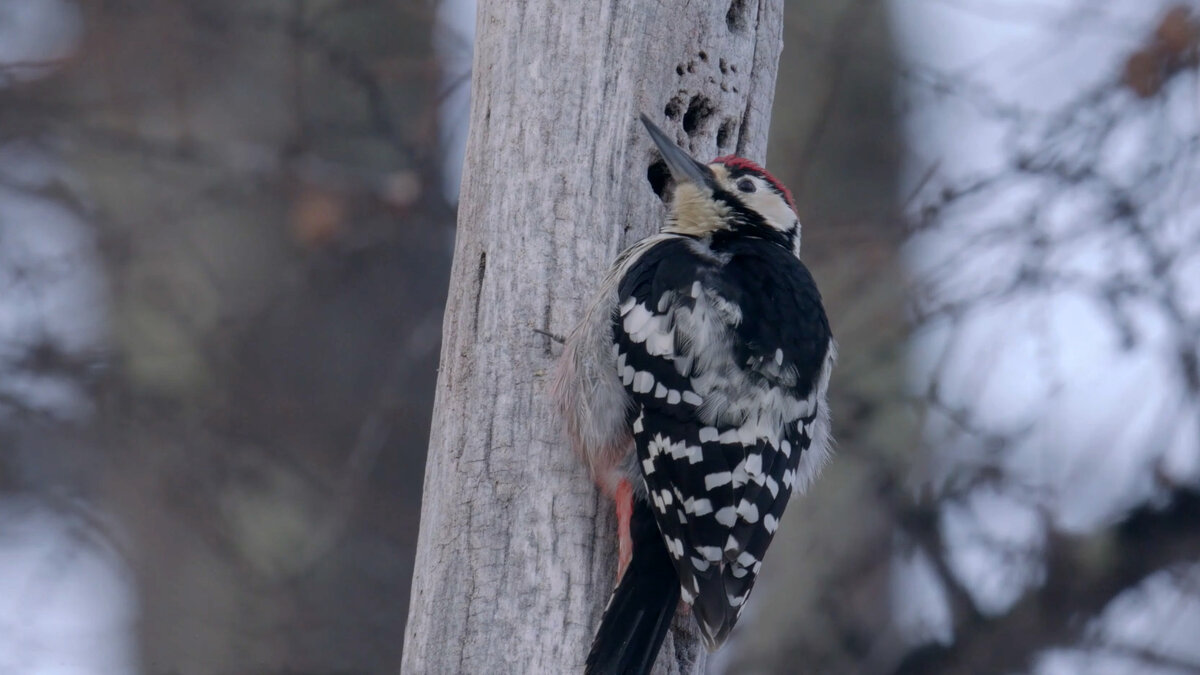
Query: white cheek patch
point(776, 212)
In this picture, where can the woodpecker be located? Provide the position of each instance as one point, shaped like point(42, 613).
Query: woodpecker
point(694, 388)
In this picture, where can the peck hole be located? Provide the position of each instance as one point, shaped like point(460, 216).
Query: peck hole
point(699, 109)
point(726, 131)
point(658, 174)
point(736, 18)
point(674, 108)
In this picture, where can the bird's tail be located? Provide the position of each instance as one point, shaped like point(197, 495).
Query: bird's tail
point(640, 611)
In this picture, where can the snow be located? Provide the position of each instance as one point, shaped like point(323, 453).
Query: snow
point(1050, 324)
point(51, 286)
point(1150, 629)
point(995, 541)
point(66, 599)
point(921, 608)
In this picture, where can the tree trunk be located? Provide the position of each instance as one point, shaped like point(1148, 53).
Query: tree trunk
point(517, 551)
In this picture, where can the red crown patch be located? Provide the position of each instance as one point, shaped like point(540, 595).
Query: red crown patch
point(733, 162)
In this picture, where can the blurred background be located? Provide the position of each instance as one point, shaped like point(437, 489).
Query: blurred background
point(225, 237)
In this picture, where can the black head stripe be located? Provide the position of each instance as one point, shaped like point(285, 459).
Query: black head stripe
point(746, 222)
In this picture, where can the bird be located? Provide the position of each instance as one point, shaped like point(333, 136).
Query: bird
point(694, 388)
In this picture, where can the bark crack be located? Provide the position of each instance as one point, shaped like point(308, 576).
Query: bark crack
point(480, 272)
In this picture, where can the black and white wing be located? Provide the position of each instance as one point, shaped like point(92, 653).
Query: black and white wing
point(726, 357)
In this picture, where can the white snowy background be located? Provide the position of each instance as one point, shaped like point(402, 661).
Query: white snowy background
point(1056, 268)
point(66, 599)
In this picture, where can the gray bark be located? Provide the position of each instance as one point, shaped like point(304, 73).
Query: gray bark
point(516, 555)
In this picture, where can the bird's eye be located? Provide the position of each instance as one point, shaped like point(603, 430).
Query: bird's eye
point(746, 185)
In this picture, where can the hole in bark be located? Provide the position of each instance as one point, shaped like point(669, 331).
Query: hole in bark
point(699, 109)
point(728, 128)
point(691, 67)
point(673, 108)
point(703, 56)
point(736, 18)
point(679, 70)
point(658, 174)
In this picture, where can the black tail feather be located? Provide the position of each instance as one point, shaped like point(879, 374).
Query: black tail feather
point(640, 611)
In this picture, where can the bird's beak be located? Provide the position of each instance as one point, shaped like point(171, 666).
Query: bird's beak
point(682, 166)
